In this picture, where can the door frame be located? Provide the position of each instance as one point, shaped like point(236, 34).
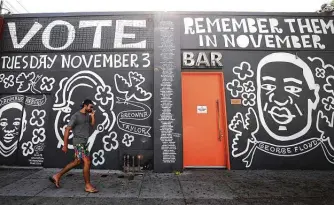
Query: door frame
point(224, 113)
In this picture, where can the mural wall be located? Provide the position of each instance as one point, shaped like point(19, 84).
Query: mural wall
point(285, 118)
point(101, 58)
point(278, 76)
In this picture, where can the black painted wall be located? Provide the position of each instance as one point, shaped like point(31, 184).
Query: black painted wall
point(46, 76)
point(168, 145)
point(278, 76)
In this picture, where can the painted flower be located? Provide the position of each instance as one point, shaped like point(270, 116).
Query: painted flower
point(47, 83)
point(320, 72)
point(328, 87)
point(128, 139)
point(248, 99)
point(2, 76)
point(38, 135)
point(249, 87)
point(37, 117)
point(98, 158)
point(27, 148)
point(235, 88)
point(25, 81)
point(328, 103)
point(243, 71)
point(104, 94)
point(9, 81)
point(110, 142)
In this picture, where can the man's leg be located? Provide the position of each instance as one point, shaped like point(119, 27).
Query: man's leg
point(67, 168)
point(86, 172)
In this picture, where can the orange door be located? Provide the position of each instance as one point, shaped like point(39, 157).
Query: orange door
point(203, 114)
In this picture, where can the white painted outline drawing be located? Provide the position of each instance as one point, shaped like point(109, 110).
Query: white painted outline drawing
point(6, 148)
point(241, 124)
point(37, 118)
point(47, 84)
point(249, 87)
point(2, 77)
point(63, 104)
point(128, 139)
point(22, 78)
point(328, 86)
point(248, 73)
point(325, 66)
point(27, 148)
point(31, 79)
point(109, 140)
point(309, 78)
point(96, 155)
point(235, 88)
point(135, 79)
point(320, 72)
point(323, 124)
point(9, 81)
point(122, 116)
point(106, 91)
point(38, 135)
point(248, 99)
point(328, 103)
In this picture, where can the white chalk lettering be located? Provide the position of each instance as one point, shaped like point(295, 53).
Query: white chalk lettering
point(98, 31)
point(31, 33)
point(47, 33)
point(119, 35)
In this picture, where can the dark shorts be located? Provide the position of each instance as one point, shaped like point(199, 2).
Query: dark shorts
point(81, 151)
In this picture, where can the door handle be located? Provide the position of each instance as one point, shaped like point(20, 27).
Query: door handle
point(220, 133)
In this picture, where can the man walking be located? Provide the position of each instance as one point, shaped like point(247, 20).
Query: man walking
point(80, 124)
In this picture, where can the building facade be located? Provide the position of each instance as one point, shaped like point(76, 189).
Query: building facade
point(178, 90)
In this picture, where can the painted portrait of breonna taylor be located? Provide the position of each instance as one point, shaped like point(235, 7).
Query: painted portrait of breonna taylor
point(287, 108)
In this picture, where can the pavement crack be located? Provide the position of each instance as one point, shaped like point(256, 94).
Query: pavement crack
point(184, 198)
point(141, 185)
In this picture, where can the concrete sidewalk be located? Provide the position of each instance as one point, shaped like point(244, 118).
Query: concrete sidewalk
point(26, 186)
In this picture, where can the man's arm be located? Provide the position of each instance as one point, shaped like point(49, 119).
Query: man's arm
point(68, 128)
point(92, 119)
point(66, 136)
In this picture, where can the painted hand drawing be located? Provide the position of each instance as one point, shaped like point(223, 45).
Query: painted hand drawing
point(73, 88)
